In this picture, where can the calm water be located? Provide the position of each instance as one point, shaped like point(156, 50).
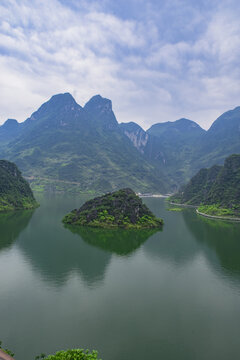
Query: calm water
point(173, 294)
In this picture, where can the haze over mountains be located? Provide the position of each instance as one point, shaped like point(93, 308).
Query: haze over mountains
point(85, 145)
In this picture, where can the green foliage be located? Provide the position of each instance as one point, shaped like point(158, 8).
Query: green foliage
point(177, 209)
point(215, 210)
point(72, 354)
point(122, 208)
point(15, 192)
point(217, 188)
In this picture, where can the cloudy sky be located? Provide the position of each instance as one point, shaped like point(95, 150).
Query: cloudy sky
point(157, 60)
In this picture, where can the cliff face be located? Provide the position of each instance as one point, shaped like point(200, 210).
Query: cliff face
point(136, 134)
point(15, 192)
point(122, 208)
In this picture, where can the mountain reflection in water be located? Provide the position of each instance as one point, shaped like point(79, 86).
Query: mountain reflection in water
point(11, 225)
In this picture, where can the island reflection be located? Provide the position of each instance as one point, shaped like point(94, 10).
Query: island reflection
point(118, 241)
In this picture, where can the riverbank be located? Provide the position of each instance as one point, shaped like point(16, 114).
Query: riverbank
point(228, 218)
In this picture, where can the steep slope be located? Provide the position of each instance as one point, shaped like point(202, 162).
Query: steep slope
point(83, 146)
point(178, 141)
point(15, 192)
point(136, 134)
point(218, 186)
point(100, 112)
point(170, 146)
point(220, 141)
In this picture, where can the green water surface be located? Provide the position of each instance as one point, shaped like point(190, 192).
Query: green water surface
point(132, 295)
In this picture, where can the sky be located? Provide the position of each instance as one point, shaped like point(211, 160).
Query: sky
point(157, 60)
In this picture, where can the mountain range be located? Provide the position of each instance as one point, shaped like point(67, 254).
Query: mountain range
point(64, 145)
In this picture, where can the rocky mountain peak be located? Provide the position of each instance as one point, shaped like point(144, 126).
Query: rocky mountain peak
point(100, 109)
point(99, 104)
point(60, 103)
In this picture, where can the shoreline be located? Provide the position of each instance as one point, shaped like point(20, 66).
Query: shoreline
point(218, 217)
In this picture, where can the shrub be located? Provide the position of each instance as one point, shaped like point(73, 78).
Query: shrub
point(73, 354)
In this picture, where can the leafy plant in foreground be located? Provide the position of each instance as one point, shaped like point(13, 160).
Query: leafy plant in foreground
point(71, 354)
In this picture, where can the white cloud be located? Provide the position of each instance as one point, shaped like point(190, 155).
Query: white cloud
point(47, 48)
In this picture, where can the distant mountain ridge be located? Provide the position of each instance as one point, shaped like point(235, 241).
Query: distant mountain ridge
point(182, 147)
point(64, 141)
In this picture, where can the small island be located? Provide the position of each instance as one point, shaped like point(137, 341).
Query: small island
point(15, 192)
point(119, 209)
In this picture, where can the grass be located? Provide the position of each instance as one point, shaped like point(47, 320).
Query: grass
point(216, 210)
point(175, 209)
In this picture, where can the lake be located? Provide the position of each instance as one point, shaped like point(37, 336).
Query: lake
point(172, 294)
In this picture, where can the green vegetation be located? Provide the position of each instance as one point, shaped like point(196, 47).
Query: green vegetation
point(70, 354)
point(177, 209)
point(122, 208)
point(215, 190)
point(74, 354)
point(216, 210)
point(15, 192)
